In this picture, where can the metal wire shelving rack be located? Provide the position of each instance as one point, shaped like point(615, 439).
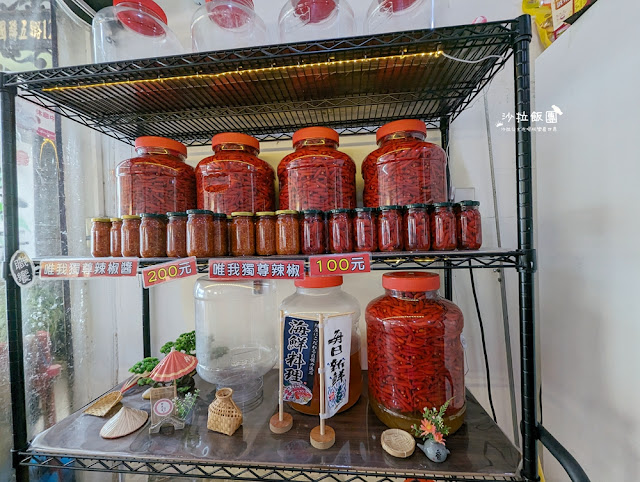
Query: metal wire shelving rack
point(353, 85)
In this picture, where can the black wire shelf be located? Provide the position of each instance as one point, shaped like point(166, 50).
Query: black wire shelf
point(479, 450)
point(484, 258)
point(353, 84)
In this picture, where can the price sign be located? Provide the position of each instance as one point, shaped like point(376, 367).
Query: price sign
point(236, 269)
point(165, 272)
point(88, 268)
point(339, 264)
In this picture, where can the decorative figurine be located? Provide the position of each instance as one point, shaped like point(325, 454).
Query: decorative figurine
point(224, 415)
point(432, 430)
point(163, 409)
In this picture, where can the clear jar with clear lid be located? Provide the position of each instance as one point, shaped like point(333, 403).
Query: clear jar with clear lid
point(225, 25)
point(132, 29)
point(236, 335)
point(415, 353)
point(399, 15)
point(157, 180)
point(324, 295)
point(405, 169)
point(308, 20)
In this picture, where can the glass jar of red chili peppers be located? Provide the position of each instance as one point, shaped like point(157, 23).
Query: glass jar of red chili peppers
point(341, 231)
point(312, 232)
point(416, 228)
point(157, 180)
point(390, 228)
point(405, 169)
point(234, 179)
point(287, 232)
point(100, 237)
point(116, 237)
point(469, 225)
point(130, 235)
point(324, 295)
point(177, 235)
point(415, 354)
point(365, 229)
point(243, 235)
point(442, 223)
point(316, 175)
point(153, 235)
point(266, 233)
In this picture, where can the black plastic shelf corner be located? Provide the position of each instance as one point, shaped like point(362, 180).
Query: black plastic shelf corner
point(352, 84)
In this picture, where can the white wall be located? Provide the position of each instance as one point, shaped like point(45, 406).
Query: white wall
point(587, 175)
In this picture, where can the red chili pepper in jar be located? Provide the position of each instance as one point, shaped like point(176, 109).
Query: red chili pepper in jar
point(243, 237)
point(177, 235)
point(157, 180)
point(316, 175)
point(266, 233)
point(415, 355)
point(130, 235)
point(405, 169)
point(235, 179)
point(442, 222)
point(287, 232)
point(153, 235)
point(416, 228)
point(312, 232)
point(365, 229)
point(341, 229)
point(390, 228)
point(469, 225)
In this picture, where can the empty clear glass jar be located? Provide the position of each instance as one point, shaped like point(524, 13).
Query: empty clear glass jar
point(236, 335)
point(226, 24)
point(307, 20)
point(132, 29)
point(397, 15)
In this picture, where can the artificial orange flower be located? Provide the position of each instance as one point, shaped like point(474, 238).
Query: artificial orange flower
point(427, 427)
point(437, 437)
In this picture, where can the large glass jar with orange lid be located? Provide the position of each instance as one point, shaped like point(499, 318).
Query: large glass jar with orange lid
point(414, 350)
point(324, 295)
point(317, 175)
point(157, 180)
point(234, 179)
point(405, 169)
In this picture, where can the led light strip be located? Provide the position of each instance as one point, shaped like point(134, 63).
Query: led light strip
point(435, 54)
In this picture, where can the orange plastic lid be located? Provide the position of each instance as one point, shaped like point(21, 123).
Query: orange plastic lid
point(152, 141)
point(319, 282)
point(235, 138)
point(411, 281)
point(149, 5)
point(413, 125)
point(314, 132)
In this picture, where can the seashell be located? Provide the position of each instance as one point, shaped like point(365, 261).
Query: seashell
point(102, 405)
point(126, 421)
point(147, 394)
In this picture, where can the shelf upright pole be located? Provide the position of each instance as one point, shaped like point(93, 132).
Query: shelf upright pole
point(444, 141)
point(525, 244)
point(11, 245)
point(146, 323)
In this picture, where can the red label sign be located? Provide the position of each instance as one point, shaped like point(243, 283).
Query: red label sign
point(256, 269)
point(88, 268)
point(339, 264)
point(165, 272)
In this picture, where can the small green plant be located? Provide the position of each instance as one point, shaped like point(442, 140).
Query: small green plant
point(186, 404)
point(186, 343)
point(432, 426)
point(144, 366)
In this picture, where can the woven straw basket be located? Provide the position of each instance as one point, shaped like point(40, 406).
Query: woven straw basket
point(224, 415)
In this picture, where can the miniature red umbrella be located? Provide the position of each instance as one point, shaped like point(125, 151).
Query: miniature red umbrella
point(175, 365)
